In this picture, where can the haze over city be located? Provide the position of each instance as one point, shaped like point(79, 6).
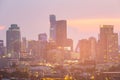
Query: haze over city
point(83, 17)
point(59, 39)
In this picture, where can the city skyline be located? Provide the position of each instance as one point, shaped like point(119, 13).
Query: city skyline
point(60, 39)
point(83, 19)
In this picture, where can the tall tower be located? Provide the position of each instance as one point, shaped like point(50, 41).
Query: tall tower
point(1, 47)
point(42, 38)
point(93, 48)
point(87, 49)
point(108, 43)
point(24, 47)
point(13, 39)
point(61, 32)
point(52, 27)
point(84, 46)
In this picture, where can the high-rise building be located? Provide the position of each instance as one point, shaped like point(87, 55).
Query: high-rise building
point(61, 32)
point(87, 49)
point(119, 41)
point(24, 47)
point(58, 37)
point(52, 28)
point(69, 45)
point(108, 43)
point(33, 48)
point(84, 47)
point(93, 48)
point(58, 32)
point(1, 47)
point(13, 40)
point(42, 38)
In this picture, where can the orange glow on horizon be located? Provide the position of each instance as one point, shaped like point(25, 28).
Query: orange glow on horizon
point(86, 22)
point(2, 27)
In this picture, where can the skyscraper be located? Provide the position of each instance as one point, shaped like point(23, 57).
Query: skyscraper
point(24, 47)
point(108, 43)
point(84, 47)
point(52, 28)
point(33, 48)
point(13, 39)
point(1, 47)
point(93, 49)
point(61, 33)
point(42, 38)
point(87, 49)
point(58, 34)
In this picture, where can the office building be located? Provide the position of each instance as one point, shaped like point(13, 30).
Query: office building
point(13, 40)
point(69, 45)
point(87, 49)
point(42, 39)
point(2, 51)
point(58, 32)
point(93, 48)
point(84, 49)
point(33, 48)
point(24, 47)
point(61, 33)
point(108, 43)
point(52, 28)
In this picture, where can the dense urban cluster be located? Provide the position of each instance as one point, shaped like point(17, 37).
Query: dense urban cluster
point(53, 58)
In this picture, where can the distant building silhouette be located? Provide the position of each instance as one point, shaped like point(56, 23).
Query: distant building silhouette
point(42, 39)
point(108, 43)
point(58, 37)
point(84, 49)
point(69, 44)
point(61, 33)
point(13, 39)
point(52, 28)
point(24, 47)
point(93, 48)
point(2, 48)
point(33, 48)
point(58, 33)
point(87, 49)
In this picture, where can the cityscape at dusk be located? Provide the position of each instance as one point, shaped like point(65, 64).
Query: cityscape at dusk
point(80, 15)
point(59, 40)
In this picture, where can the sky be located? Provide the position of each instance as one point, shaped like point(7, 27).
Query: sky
point(84, 17)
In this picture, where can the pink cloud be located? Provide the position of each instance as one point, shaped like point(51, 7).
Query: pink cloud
point(2, 27)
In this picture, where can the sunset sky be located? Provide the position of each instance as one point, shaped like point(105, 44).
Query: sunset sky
point(83, 16)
